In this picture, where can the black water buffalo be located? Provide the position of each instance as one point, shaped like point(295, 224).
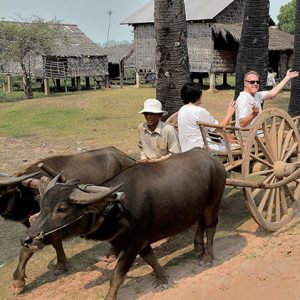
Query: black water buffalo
point(18, 202)
point(159, 200)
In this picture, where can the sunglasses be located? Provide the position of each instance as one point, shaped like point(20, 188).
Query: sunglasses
point(253, 81)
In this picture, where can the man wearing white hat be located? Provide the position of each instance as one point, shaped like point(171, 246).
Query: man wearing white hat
point(156, 139)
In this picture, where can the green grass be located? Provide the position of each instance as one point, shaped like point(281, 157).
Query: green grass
point(105, 115)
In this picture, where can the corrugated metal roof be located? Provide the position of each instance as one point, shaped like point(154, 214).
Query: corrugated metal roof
point(195, 10)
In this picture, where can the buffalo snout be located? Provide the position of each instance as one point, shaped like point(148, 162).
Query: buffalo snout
point(36, 243)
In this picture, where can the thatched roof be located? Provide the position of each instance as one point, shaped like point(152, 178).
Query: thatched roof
point(72, 42)
point(116, 53)
point(195, 10)
point(278, 40)
point(72, 54)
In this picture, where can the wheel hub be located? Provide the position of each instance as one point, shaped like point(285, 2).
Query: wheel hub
point(283, 169)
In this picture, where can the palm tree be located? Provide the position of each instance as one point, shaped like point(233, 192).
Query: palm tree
point(172, 61)
point(294, 105)
point(253, 48)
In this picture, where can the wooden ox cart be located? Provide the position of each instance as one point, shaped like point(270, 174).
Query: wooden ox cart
point(263, 160)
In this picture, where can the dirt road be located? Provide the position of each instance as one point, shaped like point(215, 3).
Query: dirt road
point(250, 263)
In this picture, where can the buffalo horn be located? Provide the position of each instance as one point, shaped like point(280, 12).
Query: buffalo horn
point(16, 180)
point(53, 182)
point(80, 197)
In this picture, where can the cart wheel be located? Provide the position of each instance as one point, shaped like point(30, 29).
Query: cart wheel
point(272, 148)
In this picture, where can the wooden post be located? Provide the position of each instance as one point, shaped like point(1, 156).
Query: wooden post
point(73, 83)
point(225, 79)
point(9, 84)
point(66, 87)
point(212, 83)
point(46, 86)
point(78, 85)
point(121, 73)
point(58, 86)
point(137, 79)
point(106, 81)
point(87, 82)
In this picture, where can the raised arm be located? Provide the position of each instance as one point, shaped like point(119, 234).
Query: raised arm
point(276, 89)
point(230, 111)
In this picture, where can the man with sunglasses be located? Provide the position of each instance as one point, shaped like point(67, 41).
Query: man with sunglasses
point(248, 103)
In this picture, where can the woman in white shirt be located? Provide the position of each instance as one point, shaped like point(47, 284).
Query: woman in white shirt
point(188, 131)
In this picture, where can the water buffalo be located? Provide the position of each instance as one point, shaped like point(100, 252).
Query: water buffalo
point(18, 202)
point(159, 200)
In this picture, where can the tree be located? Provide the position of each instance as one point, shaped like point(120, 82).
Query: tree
point(286, 17)
point(172, 61)
point(294, 104)
point(253, 48)
point(21, 41)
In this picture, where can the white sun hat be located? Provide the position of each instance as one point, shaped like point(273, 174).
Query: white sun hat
point(153, 106)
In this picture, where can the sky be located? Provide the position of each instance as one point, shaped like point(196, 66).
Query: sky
point(92, 16)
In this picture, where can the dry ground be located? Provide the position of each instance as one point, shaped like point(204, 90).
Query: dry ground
point(250, 263)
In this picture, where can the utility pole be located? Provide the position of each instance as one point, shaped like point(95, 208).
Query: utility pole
point(109, 20)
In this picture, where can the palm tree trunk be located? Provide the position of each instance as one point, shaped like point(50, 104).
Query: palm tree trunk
point(27, 83)
point(294, 104)
point(253, 48)
point(172, 61)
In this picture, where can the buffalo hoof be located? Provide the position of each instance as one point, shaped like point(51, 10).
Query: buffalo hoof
point(161, 283)
point(206, 261)
point(108, 258)
point(58, 272)
point(18, 286)
point(200, 254)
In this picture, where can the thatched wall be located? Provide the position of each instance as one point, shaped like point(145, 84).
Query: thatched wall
point(233, 13)
point(200, 47)
point(144, 43)
point(224, 61)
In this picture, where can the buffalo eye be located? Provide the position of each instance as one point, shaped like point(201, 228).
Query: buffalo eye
point(61, 209)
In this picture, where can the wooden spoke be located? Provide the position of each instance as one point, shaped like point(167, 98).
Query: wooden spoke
point(280, 137)
point(271, 177)
point(287, 140)
point(271, 206)
point(283, 201)
point(267, 138)
point(264, 150)
point(261, 173)
point(278, 208)
point(264, 200)
point(261, 160)
point(273, 138)
point(290, 194)
point(290, 152)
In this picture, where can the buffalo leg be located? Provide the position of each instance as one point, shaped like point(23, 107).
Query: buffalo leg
point(199, 246)
point(149, 257)
point(210, 233)
point(19, 274)
point(61, 265)
point(125, 261)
